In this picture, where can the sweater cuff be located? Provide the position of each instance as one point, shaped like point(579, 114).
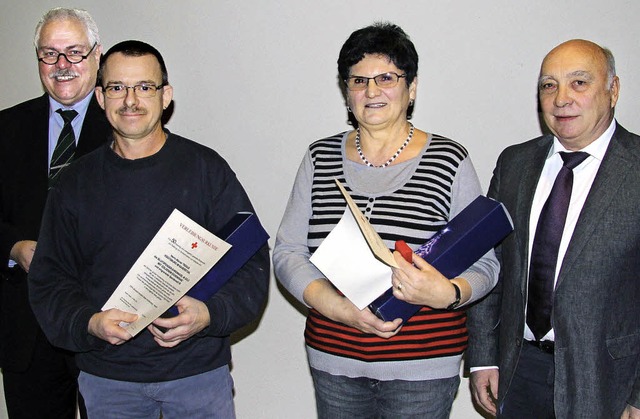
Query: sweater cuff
point(85, 341)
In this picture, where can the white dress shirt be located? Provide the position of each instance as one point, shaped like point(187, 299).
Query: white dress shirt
point(583, 177)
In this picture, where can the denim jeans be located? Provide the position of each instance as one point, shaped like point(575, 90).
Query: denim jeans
point(343, 397)
point(206, 395)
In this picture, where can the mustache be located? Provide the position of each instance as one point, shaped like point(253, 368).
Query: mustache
point(63, 72)
point(132, 109)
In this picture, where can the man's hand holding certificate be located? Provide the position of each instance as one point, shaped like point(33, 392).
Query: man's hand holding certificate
point(174, 261)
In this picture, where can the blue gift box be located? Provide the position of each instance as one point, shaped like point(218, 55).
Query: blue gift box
point(466, 238)
point(246, 236)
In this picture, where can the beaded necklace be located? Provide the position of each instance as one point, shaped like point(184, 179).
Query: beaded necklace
point(368, 163)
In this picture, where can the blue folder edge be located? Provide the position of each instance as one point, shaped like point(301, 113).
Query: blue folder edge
point(463, 241)
point(246, 236)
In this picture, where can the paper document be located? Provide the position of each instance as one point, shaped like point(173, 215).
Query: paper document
point(379, 249)
point(246, 236)
point(174, 261)
point(354, 257)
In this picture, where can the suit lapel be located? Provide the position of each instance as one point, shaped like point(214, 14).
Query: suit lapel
point(94, 129)
point(610, 177)
point(36, 143)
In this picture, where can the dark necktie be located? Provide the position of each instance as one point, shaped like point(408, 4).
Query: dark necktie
point(65, 148)
point(544, 254)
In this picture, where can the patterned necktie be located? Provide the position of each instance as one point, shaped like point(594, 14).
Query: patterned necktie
point(65, 148)
point(544, 254)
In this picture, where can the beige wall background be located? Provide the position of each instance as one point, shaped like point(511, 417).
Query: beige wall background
point(257, 81)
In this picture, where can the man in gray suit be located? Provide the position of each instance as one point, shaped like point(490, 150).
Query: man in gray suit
point(586, 361)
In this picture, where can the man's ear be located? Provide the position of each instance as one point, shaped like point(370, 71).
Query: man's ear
point(167, 96)
point(615, 91)
point(99, 96)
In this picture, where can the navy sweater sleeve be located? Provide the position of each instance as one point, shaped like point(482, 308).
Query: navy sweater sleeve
point(55, 289)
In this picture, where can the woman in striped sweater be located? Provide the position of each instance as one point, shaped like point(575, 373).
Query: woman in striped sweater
point(408, 183)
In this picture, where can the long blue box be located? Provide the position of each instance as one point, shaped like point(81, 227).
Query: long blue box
point(462, 242)
point(246, 236)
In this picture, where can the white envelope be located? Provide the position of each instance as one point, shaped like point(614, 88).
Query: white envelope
point(347, 259)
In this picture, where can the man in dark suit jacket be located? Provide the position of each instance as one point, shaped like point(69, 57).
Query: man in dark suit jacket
point(588, 364)
point(40, 380)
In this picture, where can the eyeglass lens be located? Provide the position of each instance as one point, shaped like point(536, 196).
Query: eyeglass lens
point(51, 57)
point(381, 80)
point(117, 91)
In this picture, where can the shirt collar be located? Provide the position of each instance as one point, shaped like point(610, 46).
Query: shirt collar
point(596, 149)
point(80, 107)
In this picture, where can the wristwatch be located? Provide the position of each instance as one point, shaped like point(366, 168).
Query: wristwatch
point(456, 302)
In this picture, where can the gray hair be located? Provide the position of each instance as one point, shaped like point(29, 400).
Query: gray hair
point(61, 13)
point(611, 65)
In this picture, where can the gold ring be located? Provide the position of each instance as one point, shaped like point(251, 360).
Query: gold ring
point(399, 286)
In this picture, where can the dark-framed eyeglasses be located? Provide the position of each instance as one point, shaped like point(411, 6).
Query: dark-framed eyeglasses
point(384, 80)
point(118, 91)
point(51, 57)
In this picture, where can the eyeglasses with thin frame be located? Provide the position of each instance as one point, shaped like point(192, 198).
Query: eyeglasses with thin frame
point(119, 91)
point(384, 80)
point(51, 57)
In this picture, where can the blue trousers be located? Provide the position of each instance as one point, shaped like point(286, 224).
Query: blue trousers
point(207, 395)
point(530, 395)
point(340, 397)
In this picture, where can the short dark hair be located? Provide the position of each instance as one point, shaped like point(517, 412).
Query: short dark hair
point(133, 48)
point(381, 38)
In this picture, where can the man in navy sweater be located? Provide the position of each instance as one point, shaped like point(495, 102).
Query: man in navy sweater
point(98, 220)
